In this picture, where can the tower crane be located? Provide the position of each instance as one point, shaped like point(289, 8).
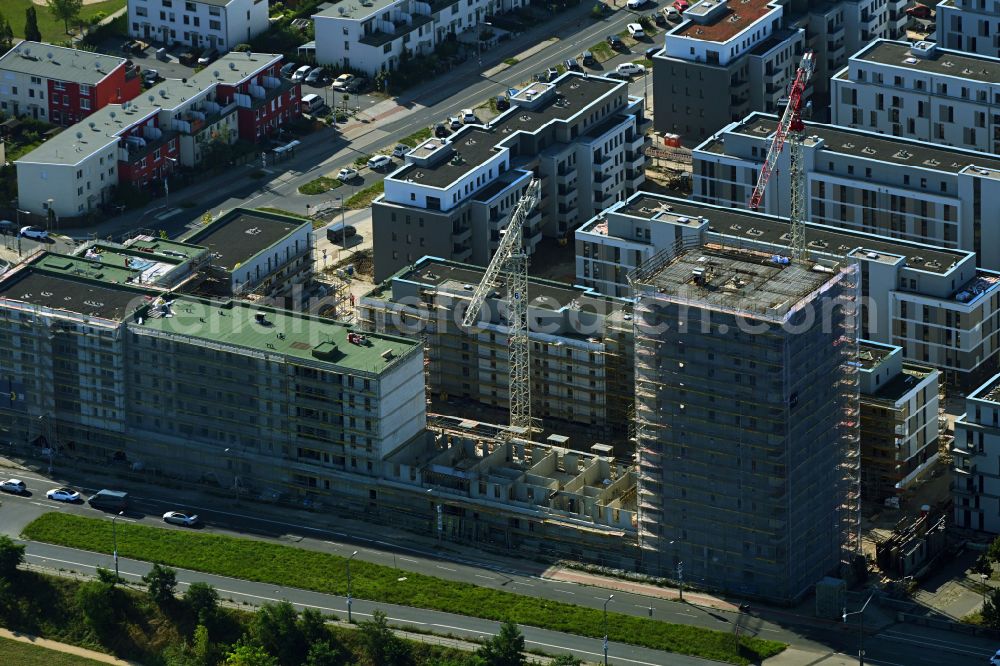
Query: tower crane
point(790, 130)
point(511, 261)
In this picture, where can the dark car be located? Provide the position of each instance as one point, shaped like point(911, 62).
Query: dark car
point(572, 65)
point(287, 69)
point(551, 74)
point(357, 85)
point(440, 131)
point(659, 19)
point(588, 59)
point(615, 42)
point(502, 103)
point(652, 50)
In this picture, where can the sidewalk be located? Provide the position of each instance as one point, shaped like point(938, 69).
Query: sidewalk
point(608, 583)
point(63, 647)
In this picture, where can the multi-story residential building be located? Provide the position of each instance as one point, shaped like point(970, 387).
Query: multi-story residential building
point(899, 420)
point(142, 142)
point(373, 35)
point(581, 345)
point(62, 86)
point(747, 418)
point(860, 180)
point(218, 24)
point(583, 136)
point(931, 301)
point(256, 252)
point(972, 26)
point(976, 485)
point(921, 91)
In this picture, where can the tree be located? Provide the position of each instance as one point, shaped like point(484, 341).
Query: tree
point(565, 660)
point(325, 653)
point(6, 33)
point(983, 566)
point(161, 582)
point(275, 627)
point(31, 31)
point(994, 551)
point(313, 626)
point(67, 10)
point(380, 646)
point(504, 649)
point(98, 604)
point(11, 556)
point(248, 654)
point(991, 610)
point(202, 600)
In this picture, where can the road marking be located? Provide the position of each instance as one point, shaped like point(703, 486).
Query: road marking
point(596, 654)
point(777, 631)
point(446, 568)
point(409, 559)
point(474, 631)
point(687, 614)
point(565, 591)
point(486, 577)
point(517, 582)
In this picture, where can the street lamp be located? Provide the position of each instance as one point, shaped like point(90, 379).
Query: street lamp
point(983, 578)
point(114, 537)
point(861, 628)
point(166, 177)
point(50, 213)
point(349, 586)
point(236, 477)
point(610, 597)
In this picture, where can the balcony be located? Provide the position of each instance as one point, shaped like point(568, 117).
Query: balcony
point(566, 176)
point(459, 237)
point(836, 34)
point(964, 468)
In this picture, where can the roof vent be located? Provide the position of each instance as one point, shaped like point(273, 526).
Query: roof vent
point(260, 317)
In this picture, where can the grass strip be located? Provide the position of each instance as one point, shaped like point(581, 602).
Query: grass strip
point(319, 185)
point(511, 61)
point(602, 51)
point(323, 572)
point(417, 137)
point(363, 198)
point(26, 654)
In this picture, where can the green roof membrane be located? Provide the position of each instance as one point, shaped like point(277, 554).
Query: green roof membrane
point(281, 332)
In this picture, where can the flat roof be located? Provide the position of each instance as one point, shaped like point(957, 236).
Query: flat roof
point(295, 335)
point(870, 353)
point(750, 225)
point(959, 64)
point(475, 144)
point(241, 234)
point(737, 17)
point(868, 145)
point(92, 134)
point(147, 267)
point(734, 280)
point(990, 391)
point(58, 62)
point(82, 267)
point(80, 294)
point(356, 9)
point(901, 384)
point(164, 246)
point(231, 69)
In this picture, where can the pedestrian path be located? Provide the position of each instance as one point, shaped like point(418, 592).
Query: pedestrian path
point(62, 647)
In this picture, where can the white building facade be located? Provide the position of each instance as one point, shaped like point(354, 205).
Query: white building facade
point(976, 486)
point(218, 24)
point(972, 26)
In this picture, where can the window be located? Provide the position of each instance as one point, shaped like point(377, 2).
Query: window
point(213, 25)
point(84, 90)
point(85, 104)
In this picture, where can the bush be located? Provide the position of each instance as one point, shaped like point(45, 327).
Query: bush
point(161, 583)
point(11, 556)
point(98, 602)
point(275, 627)
point(203, 601)
point(242, 48)
point(380, 646)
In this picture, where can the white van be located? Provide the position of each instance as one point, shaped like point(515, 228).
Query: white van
point(312, 103)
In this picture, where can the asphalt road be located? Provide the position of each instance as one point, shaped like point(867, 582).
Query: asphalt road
point(892, 645)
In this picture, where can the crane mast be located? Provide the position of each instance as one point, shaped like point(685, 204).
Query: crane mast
point(511, 261)
point(790, 130)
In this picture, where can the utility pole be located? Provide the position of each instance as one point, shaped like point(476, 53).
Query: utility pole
point(680, 580)
point(610, 597)
point(349, 586)
point(861, 628)
point(114, 537)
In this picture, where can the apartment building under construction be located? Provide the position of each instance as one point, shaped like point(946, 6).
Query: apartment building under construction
point(747, 418)
point(581, 345)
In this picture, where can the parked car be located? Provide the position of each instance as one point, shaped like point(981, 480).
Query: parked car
point(315, 76)
point(681, 5)
point(571, 65)
point(502, 103)
point(63, 495)
point(469, 116)
point(587, 58)
point(150, 76)
point(357, 84)
point(615, 42)
point(995, 659)
point(636, 4)
point(178, 518)
point(379, 162)
point(301, 73)
point(312, 103)
point(652, 51)
point(919, 11)
point(342, 81)
point(672, 14)
point(627, 69)
point(34, 232)
point(338, 232)
point(15, 486)
point(400, 150)
point(287, 69)
point(347, 174)
point(551, 74)
point(440, 131)
point(454, 123)
point(208, 56)
point(658, 18)
point(635, 30)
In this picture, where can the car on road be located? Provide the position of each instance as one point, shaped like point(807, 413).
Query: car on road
point(572, 65)
point(301, 73)
point(469, 116)
point(587, 58)
point(15, 486)
point(315, 76)
point(636, 4)
point(287, 69)
point(34, 232)
point(182, 519)
point(400, 150)
point(347, 174)
point(379, 162)
point(635, 30)
point(454, 123)
point(440, 131)
point(502, 103)
point(342, 81)
point(63, 495)
point(627, 69)
point(615, 42)
point(208, 56)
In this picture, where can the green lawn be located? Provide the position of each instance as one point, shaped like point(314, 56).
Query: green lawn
point(283, 565)
point(363, 198)
point(417, 137)
point(319, 185)
point(25, 654)
point(602, 51)
point(52, 29)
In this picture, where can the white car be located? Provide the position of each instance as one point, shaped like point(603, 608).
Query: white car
point(379, 162)
point(468, 116)
point(34, 232)
point(672, 14)
point(454, 122)
point(63, 495)
point(635, 30)
point(301, 73)
point(342, 81)
point(401, 150)
point(627, 69)
point(995, 659)
point(178, 518)
point(636, 4)
point(347, 174)
point(15, 486)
